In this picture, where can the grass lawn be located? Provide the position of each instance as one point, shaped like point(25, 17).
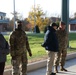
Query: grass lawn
point(39, 52)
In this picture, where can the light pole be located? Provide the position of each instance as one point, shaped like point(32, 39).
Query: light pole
point(65, 15)
point(14, 14)
point(34, 18)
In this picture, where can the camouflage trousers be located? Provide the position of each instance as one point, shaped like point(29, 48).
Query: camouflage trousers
point(20, 60)
point(60, 57)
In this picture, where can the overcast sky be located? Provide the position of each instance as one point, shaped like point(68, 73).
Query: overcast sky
point(52, 7)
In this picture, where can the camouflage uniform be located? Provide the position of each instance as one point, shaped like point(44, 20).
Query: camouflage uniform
point(63, 41)
point(18, 49)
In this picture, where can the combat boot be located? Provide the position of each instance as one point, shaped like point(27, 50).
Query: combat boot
point(62, 68)
point(55, 69)
point(53, 73)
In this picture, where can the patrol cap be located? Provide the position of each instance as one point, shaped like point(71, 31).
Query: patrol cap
point(19, 21)
point(62, 23)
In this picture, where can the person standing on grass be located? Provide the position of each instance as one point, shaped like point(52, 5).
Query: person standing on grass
point(19, 46)
point(4, 51)
point(51, 46)
point(63, 43)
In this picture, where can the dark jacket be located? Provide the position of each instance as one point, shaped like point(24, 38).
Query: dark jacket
point(50, 40)
point(4, 48)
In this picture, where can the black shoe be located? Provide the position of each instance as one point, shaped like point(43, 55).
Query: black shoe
point(53, 73)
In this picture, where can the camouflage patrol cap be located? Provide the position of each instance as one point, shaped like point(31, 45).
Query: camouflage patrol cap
point(18, 23)
point(62, 23)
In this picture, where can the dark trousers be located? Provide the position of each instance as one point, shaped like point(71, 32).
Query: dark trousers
point(2, 65)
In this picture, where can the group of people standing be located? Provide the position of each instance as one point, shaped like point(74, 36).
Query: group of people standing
point(55, 43)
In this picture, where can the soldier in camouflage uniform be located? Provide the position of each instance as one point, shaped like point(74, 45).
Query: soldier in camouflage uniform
point(18, 50)
point(63, 42)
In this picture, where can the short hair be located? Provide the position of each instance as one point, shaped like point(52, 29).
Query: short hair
point(54, 24)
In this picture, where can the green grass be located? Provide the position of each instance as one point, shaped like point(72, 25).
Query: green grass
point(38, 52)
point(72, 40)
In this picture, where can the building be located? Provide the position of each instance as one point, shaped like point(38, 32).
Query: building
point(72, 25)
point(3, 22)
point(55, 19)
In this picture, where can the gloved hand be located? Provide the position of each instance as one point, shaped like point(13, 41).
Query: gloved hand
point(30, 54)
point(43, 45)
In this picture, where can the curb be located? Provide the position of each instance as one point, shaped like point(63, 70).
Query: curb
point(39, 64)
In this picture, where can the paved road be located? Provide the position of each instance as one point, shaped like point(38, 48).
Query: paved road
point(70, 66)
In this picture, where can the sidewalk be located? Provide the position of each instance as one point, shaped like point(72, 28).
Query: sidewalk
point(40, 64)
point(70, 66)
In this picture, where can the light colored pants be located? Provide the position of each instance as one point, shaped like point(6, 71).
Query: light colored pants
point(50, 61)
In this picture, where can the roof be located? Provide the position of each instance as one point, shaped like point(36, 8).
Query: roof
point(4, 21)
point(72, 21)
point(2, 14)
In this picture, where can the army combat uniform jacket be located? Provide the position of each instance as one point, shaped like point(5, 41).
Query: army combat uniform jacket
point(18, 43)
point(62, 38)
point(63, 42)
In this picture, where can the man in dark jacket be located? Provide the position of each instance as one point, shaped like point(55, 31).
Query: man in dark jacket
point(4, 50)
point(51, 45)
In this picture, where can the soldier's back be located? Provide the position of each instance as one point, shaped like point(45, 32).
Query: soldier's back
point(20, 41)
